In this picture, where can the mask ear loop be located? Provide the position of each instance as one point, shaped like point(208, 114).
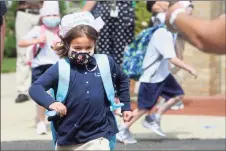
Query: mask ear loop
point(91, 69)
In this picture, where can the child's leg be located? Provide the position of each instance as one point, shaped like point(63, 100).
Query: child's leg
point(40, 113)
point(166, 106)
point(170, 90)
point(41, 125)
point(153, 121)
point(136, 115)
point(147, 98)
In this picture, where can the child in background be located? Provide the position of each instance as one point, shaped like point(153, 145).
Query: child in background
point(86, 122)
point(43, 37)
point(156, 81)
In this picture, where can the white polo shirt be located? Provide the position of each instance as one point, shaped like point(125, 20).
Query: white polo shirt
point(159, 50)
point(47, 55)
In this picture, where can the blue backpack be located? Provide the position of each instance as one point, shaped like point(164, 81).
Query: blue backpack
point(63, 85)
point(135, 52)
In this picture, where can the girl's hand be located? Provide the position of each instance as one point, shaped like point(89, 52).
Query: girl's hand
point(127, 116)
point(59, 108)
point(160, 6)
point(41, 39)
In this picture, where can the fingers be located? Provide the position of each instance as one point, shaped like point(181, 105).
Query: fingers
point(59, 108)
point(127, 117)
point(42, 39)
point(196, 76)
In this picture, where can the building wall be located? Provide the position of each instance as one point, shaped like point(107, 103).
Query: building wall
point(211, 68)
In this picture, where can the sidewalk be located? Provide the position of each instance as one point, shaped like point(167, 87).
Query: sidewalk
point(17, 121)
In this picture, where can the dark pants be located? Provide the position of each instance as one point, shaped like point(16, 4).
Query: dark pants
point(38, 71)
point(149, 92)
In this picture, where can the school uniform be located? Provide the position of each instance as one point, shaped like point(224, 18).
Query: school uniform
point(88, 110)
point(157, 79)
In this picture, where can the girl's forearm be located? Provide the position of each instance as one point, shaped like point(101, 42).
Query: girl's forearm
point(26, 43)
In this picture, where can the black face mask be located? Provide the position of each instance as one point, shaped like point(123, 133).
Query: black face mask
point(79, 58)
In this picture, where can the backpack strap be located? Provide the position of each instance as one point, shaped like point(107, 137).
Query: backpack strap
point(42, 32)
point(63, 83)
point(104, 67)
point(37, 47)
point(105, 72)
point(62, 90)
point(64, 79)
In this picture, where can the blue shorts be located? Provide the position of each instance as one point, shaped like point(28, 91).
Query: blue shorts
point(38, 71)
point(149, 92)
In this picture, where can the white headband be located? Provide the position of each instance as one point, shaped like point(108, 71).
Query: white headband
point(82, 18)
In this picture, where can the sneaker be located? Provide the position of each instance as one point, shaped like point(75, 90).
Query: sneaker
point(150, 123)
point(178, 106)
point(175, 107)
point(125, 136)
point(22, 98)
point(182, 106)
point(41, 128)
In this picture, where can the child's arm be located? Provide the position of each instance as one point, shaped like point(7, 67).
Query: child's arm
point(26, 43)
point(32, 37)
point(177, 62)
point(47, 80)
point(122, 85)
point(163, 41)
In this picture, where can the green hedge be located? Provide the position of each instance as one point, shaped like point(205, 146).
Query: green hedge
point(10, 40)
point(142, 15)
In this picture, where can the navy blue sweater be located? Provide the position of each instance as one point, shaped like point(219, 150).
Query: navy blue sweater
point(88, 110)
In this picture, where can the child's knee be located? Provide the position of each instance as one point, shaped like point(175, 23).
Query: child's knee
point(179, 98)
point(139, 112)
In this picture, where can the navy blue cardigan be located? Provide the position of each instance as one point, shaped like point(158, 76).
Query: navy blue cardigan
point(88, 110)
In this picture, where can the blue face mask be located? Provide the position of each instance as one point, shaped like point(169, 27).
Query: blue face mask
point(51, 22)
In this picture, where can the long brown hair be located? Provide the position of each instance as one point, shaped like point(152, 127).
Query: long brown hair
point(62, 48)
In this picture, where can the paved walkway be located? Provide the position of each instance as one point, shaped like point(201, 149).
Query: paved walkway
point(17, 121)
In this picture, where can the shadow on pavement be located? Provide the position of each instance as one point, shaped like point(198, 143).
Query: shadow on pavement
point(163, 144)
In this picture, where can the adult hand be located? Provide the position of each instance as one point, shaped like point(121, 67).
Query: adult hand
point(160, 6)
point(170, 10)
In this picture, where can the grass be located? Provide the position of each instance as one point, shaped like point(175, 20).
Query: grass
point(8, 65)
